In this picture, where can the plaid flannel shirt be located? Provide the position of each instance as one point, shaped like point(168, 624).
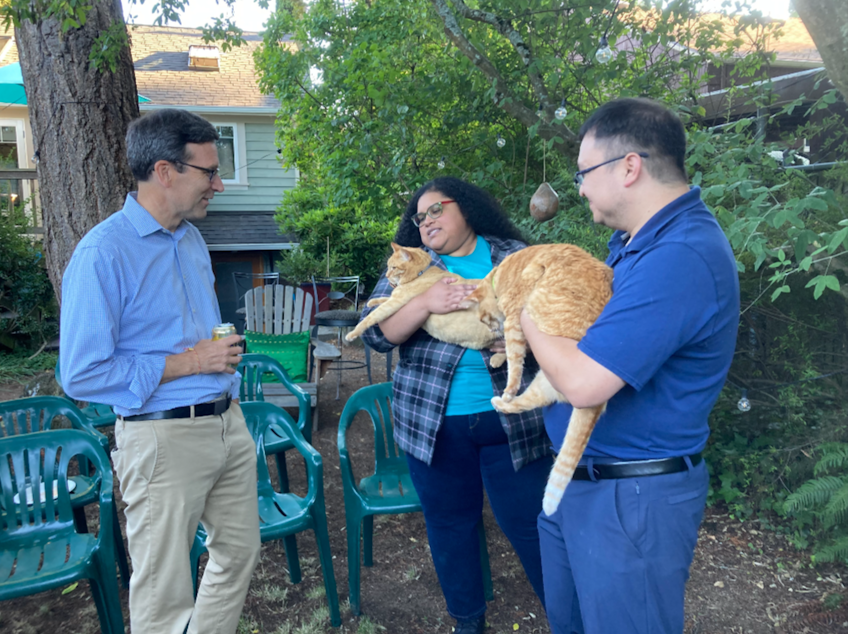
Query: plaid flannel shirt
point(423, 377)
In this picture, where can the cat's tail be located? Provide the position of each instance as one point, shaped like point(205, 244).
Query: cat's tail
point(576, 437)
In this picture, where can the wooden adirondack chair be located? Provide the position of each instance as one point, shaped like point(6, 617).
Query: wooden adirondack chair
point(280, 310)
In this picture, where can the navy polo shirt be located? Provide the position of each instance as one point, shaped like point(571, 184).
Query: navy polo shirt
point(669, 332)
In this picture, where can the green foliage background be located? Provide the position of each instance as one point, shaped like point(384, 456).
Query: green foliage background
point(374, 94)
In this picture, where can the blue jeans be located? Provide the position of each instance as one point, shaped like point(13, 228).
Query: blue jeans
point(472, 452)
point(617, 553)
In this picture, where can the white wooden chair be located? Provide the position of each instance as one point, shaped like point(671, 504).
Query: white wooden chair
point(280, 310)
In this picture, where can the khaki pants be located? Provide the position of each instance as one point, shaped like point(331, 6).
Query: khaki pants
point(174, 474)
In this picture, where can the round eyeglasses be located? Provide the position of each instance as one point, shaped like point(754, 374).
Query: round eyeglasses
point(434, 211)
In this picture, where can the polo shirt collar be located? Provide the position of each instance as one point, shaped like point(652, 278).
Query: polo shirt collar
point(648, 233)
point(143, 222)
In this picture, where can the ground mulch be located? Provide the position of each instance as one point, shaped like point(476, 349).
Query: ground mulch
point(744, 580)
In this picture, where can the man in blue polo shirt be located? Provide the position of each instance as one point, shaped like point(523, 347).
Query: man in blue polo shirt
point(617, 551)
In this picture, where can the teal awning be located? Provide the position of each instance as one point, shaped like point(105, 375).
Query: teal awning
point(12, 86)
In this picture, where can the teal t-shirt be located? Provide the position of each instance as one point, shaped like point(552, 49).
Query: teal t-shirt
point(471, 388)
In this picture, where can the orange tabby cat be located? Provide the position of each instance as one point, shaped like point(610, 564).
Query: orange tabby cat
point(409, 271)
point(563, 289)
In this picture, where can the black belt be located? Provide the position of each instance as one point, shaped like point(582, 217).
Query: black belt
point(635, 469)
point(213, 408)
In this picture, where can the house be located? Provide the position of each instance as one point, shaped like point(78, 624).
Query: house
point(797, 71)
point(175, 68)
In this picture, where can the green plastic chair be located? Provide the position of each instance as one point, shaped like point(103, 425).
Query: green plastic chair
point(387, 491)
point(98, 414)
point(283, 515)
point(37, 414)
point(277, 442)
point(36, 539)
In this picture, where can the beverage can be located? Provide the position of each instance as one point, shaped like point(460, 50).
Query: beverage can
point(223, 330)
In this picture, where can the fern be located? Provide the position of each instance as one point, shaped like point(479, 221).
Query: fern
point(834, 551)
point(814, 493)
point(836, 510)
point(835, 457)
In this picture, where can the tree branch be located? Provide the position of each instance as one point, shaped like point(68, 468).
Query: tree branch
point(504, 98)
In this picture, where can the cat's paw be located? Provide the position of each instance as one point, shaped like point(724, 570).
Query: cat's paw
point(351, 336)
point(502, 406)
point(377, 301)
point(497, 360)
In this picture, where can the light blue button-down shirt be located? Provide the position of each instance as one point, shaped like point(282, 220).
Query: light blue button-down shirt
point(133, 294)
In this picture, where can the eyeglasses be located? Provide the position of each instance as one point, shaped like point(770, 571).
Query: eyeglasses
point(434, 211)
point(578, 176)
point(211, 173)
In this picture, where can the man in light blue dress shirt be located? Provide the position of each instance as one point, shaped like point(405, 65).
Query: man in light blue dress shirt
point(138, 307)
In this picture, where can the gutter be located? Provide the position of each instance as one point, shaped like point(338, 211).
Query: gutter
point(279, 246)
point(211, 109)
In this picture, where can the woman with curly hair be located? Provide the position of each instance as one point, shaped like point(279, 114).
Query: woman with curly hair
point(456, 443)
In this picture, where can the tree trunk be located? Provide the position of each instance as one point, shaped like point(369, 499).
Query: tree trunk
point(79, 119)
point(827, 22)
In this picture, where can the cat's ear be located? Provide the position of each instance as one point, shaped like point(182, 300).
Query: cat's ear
point(395, 247)
point(404, 253)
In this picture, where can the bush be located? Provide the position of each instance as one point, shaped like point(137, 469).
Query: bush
point(28, 308)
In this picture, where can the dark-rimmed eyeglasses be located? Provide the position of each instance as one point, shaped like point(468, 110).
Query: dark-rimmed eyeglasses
point(434, 211)
point(578, 176)
point(211, 173)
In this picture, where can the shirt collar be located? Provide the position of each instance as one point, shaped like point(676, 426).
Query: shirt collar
point(144, 222)
point(648, 233)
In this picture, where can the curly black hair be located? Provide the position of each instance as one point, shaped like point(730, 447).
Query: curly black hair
point(479, 208)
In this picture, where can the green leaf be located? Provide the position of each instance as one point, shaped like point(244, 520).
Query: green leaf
point(780, 291)
point(70, 588)
point(837, 239)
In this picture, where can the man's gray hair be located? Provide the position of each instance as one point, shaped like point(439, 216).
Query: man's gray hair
point(162, 135)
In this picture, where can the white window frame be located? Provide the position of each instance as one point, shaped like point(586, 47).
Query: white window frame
point(239, 153)
point(23, 163)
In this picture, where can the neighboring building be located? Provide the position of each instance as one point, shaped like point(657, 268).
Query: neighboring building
point(797, 71)
point(174, 68)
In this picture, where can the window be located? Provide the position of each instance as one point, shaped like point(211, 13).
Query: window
point(228, 152)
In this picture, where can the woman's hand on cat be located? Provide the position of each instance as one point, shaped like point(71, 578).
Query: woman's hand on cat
point(445, 296)
point(498, 347)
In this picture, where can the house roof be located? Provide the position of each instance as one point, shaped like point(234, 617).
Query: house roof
point(233, 231)
point(792, 44)
point(163, 75)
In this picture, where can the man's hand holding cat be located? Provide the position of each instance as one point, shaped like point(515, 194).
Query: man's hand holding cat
point(445, 296)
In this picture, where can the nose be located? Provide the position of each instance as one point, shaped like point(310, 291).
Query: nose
point(217, 183)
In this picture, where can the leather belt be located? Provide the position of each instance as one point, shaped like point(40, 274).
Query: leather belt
point(636, 469)
point(212, 408)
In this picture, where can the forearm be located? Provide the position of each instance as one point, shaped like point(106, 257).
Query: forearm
point(179, 365)
point(403, 324)
point(578, 377)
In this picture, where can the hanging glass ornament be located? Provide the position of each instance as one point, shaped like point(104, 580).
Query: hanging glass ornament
point(604, 53)
point(561, 112)
point(541, 111)
point(36, 158)
point(441, 163)
point(501, 141)
point(403, 109)
point(744, 405)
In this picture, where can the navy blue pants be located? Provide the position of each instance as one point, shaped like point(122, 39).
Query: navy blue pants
point(616, 553)
point(472, 452)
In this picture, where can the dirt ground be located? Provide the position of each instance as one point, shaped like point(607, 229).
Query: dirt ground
point(744, 580)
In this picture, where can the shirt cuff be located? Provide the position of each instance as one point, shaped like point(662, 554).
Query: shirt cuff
point(146, 378)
